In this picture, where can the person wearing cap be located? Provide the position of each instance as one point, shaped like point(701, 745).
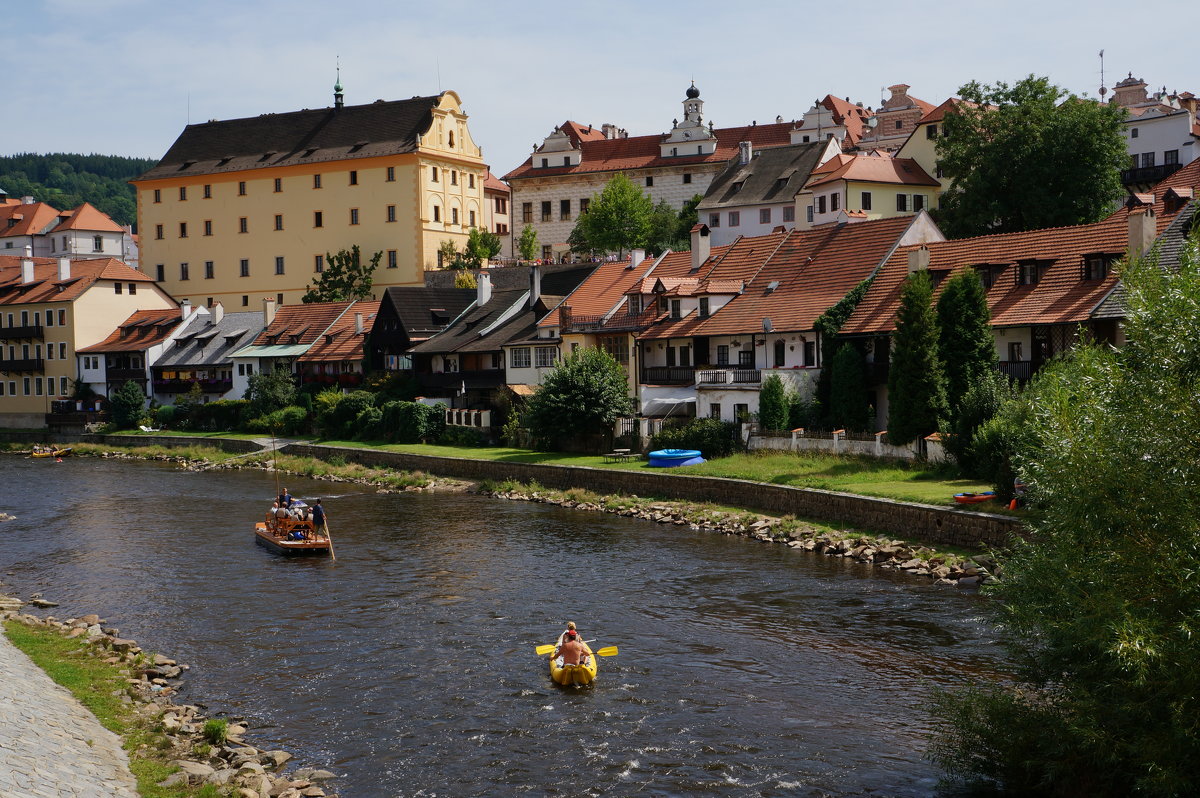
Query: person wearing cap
point(572, 649)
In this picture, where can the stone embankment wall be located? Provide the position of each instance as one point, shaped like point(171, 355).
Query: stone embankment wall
point(928, 523)
point(224, 444)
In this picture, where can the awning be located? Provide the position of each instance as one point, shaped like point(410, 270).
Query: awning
point(669, 408)
point(523, 390)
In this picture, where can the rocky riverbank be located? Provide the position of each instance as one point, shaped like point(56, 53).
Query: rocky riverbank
point(202, 751)
point(922, 561)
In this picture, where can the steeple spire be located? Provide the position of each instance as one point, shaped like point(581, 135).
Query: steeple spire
point(337, 88)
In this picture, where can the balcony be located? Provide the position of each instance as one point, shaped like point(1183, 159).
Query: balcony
point(25, 364)
point(668, 375)
point(1149, 174)
point(115, 374)
point(749, 377)
point(185, 386)
point(23, 331)
point(1019, 370)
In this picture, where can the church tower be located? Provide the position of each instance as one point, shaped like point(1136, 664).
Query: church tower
point(689, 136)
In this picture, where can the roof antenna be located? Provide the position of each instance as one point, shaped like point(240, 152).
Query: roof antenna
point(1103, 90)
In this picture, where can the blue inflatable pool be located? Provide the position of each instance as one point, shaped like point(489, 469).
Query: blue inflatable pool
point(670, 458)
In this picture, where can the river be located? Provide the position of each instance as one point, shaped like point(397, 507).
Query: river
point(408, 666)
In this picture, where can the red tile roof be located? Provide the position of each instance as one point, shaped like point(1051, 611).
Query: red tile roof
point(46, 285)
point(642, 152)
point(26, 220)
point(88, 217)
point(139, 332)
point(339, 343)
point(493, 183)
point(307, 321)
point(871, 169)
point(603, 289)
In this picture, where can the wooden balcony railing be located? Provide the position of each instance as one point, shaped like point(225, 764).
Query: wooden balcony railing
point(668, 375)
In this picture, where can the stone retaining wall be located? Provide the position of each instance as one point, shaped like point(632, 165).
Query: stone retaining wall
point(224, 444)
point(928, 523)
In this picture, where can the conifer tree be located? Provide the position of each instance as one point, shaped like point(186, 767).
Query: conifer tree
point(772, 404)
point(965, 344)
point(848, 407)
point(916, 383)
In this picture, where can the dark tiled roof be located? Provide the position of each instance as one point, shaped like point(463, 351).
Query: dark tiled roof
point(298, 137)
point(774, 174)
point(1170, 249)
point(202, 343)
point(415, 306)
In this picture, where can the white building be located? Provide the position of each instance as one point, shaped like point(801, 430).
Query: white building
point(1161, 131)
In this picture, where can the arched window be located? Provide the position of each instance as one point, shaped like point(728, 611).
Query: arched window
point(779, 353)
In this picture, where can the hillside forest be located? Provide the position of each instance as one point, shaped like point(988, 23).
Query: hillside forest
point(65, 180)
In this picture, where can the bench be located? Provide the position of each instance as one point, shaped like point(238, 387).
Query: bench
point(619, 456)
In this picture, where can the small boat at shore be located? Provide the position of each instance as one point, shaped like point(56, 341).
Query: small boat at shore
point(581, 675)
point(293, 534)
point(52, 453)
point(974, 498)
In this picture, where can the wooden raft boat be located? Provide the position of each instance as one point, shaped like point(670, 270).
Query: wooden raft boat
point(290, 535)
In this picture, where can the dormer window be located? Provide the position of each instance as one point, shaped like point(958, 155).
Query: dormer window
point(704, 307)
point(1029, 271)
point(1095, 267)
point(737, 186)
point(676, 309)
point(635, 304)
point(545, 162)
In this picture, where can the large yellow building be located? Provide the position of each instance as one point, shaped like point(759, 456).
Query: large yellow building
point(246, 208)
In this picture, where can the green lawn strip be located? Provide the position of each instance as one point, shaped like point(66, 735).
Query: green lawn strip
point(97, 685)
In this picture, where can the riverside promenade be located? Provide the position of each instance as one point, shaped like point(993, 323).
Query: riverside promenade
point(50, 745)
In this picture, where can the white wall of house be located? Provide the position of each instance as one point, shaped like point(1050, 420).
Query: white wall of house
point(528, 363)
point(750, 221)
point(1156, 134)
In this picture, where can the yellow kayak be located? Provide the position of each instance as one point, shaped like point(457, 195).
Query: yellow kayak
point(574, 674)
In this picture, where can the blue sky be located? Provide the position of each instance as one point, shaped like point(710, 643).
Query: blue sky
point(124, 76)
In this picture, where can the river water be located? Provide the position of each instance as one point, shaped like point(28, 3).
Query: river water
point(408, 666)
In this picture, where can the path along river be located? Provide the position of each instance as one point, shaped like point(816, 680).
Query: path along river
point(408, 666)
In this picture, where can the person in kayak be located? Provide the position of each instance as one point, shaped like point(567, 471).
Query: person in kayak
point(572, 649)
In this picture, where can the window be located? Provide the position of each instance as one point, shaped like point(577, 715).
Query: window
point(244, 268)
point(1147, 159)
point(1095, 267)
point(544, 356)
point(703, 307)
point(676, 309)
point(97, 243)
point(714, 220)
point(183, 229)
point(433, 174)
point(835, 201)
point(1027, 272)
point(918, 202)
point(723, 355)
point(1014, 352)
point(353, 177)
point(566, 160)
point(764, 215)
point(584, 204)
point(470, 218)
point(741, 412)
point(241, 188)
point(735, 218)
point(520, 357)
point(780, 352)
point(649, 181)
point(789, 213)
point(49, 318)
point(279, 264)
point(183, 193)
point(687, 177)
point(279, 300)
point(245, 300)
point(183, 273)
point(470, 181)
point(207, 191)
point(279, 221)
point(132, 289)
point(62, 386)
point(391, 213)
point(564, 209)
point(931, 132)
point(158, 195)
point(987, 274)
point(547, 252)
point(243, 225)
point(318, 263)
point(1133, 133)
point(316, 181)
point(318, 219)
point(37, 386)
point(808, 213)
point(526, 212)
point(902, 202)
point(454, 216)
point(810, 353)
point(208, 227)
point(454, 177)
point(437, 213)
point(391, 174)
point(160, 272)
point(746, 358)
point(392, 262)
point(116, 290)
point(450, 138)
point(545, 162)
point(208, 270)
point(1171, 157)
point(158, 231)
point(354, 216)
point(866, 200)
point(821, 204)
point(25, 385)
point(278, 184)
point(546, 211)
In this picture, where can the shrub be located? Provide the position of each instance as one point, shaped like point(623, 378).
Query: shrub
point(848, 407)
point(714, 438)
point(340, 421)
point(216, 730)
point(126, 404)
point(981, 402)
point(462, 436)
point(223, 414)
point(772, 404)
point(164, 416)
point(802, 412)
point(291, 420)
point(367, 424)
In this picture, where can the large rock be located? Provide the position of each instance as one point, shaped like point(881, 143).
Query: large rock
point(197, 772)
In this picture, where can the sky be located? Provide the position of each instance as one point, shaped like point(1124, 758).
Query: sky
point(123, 77)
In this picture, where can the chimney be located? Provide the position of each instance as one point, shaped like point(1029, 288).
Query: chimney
point(268, 310)
point(701, 245)
point(64, 268)
point(535, 285)
point(636, 257)
point(27, 200)
point(483, 288)
point(358, 324)
point(1141, 231)
point(918, 259)
point(27, 270)
point(745, 152)
point(185, 307)
point(609, 130)
point(218, 313)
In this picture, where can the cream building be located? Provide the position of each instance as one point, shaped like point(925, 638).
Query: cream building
point(241, 209)
point(49, 309)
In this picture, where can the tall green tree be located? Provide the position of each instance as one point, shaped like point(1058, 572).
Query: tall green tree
point(1099, 603)
point(270, 391)
point(482, 245)
point(584, 394)
point(827, 326)
point(772, 404)
point(343, 277)
point(618, 218)
point(1027, 156)
point(127, 404)
point(916, 384)
point(965, 344)
point(848, 408)
point(527, 243)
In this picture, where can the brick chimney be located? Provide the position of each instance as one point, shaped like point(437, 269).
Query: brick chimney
point(268, 310)
point(64, 268)
point(701, 245)
point(1141, 231)
point(27, 270)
